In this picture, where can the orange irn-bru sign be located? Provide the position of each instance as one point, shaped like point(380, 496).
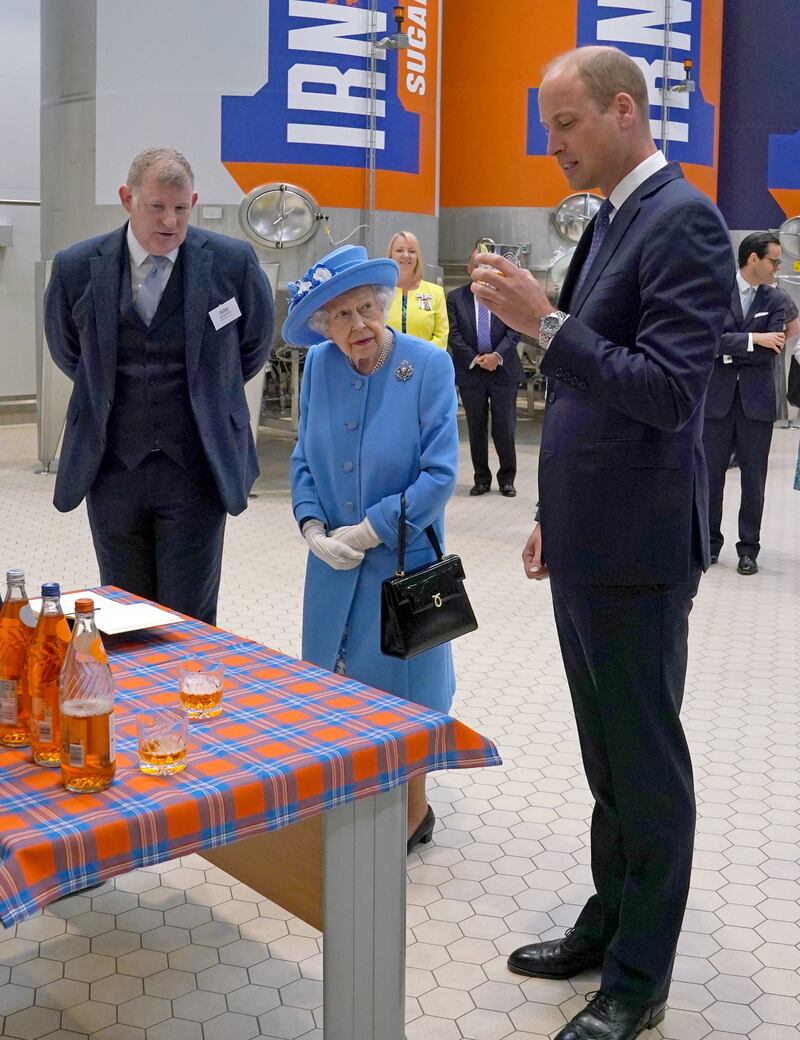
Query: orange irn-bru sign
point(321, 112)
point(494, 149)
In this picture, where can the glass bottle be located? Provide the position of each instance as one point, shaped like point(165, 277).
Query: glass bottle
point(45, 659)
point(86, 701)
point(17, 624)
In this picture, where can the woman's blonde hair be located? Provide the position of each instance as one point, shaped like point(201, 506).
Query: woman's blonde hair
point(412, 239)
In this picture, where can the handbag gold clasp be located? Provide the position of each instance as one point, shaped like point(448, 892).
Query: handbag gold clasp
point(437, 599)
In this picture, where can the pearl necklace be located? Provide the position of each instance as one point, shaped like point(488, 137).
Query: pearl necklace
point(386, 349)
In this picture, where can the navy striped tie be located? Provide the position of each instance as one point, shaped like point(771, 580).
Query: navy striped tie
point(601, 224)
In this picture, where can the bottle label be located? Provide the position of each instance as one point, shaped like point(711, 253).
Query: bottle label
point(8, 702)
point(77, 758)
point(45, 731)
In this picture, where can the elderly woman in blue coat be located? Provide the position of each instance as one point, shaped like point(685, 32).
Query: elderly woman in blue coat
point(377, 418)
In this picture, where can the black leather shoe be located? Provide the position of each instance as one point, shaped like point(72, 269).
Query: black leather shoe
point(423, 834)
point(715, 557)
point(747, 565)
point(557, 959)
point(479, 489)
point(508, 490)
point(604, 1018)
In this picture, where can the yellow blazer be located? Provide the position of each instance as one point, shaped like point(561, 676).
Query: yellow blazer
point(426, 313)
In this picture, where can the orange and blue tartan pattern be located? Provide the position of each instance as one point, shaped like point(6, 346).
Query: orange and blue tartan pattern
point(293, 740)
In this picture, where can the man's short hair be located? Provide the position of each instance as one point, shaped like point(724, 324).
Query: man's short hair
point(757, 243)
point(174, 168)
point(606, 72)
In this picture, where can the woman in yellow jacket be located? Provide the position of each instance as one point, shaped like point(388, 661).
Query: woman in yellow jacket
point(419, 307)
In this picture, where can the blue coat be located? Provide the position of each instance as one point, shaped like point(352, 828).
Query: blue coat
point(81, 316)
point(361, 441)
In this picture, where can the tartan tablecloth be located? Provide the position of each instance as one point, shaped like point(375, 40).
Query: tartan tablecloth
point(293, 740)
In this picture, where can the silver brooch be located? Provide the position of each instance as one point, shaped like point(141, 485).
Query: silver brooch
point(405, 371)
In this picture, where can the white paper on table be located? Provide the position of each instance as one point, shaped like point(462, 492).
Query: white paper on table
point(129, 617)
point(68, 602)
point(111, 616)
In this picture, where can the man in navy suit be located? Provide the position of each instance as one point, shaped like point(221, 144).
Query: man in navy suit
point(741, 404)
point(488, 374)
point(622, 526)
point(159, 325)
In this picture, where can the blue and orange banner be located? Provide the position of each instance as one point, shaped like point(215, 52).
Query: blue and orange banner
point(318, 114)
point(493, 146)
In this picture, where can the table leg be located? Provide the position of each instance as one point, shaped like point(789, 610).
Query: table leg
point(364, 907)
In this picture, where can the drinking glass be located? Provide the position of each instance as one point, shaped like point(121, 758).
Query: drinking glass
point(163, 738)
point(200, 686)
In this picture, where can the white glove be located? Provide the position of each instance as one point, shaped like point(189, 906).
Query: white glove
point(336, 554)
point(358, 536)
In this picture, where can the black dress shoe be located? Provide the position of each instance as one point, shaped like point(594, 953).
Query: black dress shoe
point(604, 1018)
point(557, 959)
point(479, 489)
point(747, 565)
point(508, 490)
point(715, 557)
point(423, 834)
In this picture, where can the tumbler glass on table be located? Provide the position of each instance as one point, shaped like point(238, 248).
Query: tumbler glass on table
point(200, 685)
point(163, 739)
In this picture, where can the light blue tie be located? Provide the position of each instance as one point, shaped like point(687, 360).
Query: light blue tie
point(601, 224)
point(152, 288)
point(749, 296)
point(484, 329)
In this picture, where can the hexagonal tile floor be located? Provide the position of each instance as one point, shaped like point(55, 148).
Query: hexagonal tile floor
point(183, 952)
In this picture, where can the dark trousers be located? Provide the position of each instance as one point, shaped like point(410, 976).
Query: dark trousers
point(750, 439)
point(158, 532)
point(501, 401)
point(624, 651)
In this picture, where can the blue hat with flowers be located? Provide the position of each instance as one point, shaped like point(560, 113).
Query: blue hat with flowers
point(344, 269)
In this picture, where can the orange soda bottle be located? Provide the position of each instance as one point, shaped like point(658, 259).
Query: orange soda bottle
point(45, 659)
point(86, 700)
point(17, 624)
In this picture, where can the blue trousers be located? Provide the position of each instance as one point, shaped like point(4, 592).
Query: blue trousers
point(624, 651)
point(158, 532)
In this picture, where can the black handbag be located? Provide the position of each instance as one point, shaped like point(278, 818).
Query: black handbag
point(427, 606)
point(793, 387)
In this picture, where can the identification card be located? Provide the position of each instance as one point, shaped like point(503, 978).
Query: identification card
point(225, 313)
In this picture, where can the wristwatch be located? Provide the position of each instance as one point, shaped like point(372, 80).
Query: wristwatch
point(549, 326)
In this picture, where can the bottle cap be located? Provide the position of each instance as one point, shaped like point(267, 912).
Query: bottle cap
point(84, 606)
point(15, 574)
point(51, 588)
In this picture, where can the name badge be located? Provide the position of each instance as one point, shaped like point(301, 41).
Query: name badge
point(225, 313)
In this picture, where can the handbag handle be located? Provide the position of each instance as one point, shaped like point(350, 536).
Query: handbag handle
point(401, 539)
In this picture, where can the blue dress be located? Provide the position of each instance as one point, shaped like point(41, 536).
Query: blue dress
point(361, 441)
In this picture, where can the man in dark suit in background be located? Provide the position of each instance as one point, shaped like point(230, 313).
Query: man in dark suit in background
point(740, 405)
point(159, 325)
point(488, 374)
point(623, 527)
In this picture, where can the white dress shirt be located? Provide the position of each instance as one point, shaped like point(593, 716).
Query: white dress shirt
point(633, 180)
